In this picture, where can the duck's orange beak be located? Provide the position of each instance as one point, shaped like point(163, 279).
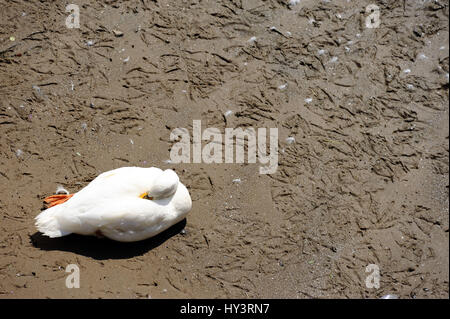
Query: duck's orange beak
point(57, 199)
point(145, 196)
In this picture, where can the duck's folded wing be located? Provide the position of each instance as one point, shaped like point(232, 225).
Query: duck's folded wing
point(124, 215)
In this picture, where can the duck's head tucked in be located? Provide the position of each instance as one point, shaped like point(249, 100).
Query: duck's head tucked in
point(163, 186)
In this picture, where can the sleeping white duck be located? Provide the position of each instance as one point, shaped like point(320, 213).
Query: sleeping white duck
point(126, 204)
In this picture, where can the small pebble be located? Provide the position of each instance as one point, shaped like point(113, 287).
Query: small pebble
point(228, 113)
point(290, 140)
point(61, 190)
point(422, 56)
point(37, 89)
point(118, 33)
point(333, 59)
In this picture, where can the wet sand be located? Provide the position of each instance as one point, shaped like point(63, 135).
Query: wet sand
point(364, 181)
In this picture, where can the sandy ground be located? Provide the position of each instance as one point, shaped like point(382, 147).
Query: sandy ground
point(365, 182)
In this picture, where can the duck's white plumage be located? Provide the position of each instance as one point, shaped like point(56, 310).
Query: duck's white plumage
point(111, 205)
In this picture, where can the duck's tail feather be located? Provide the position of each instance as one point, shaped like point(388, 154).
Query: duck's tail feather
point(48, 224)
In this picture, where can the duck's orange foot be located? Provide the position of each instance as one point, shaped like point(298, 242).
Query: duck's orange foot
point(57, 199)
